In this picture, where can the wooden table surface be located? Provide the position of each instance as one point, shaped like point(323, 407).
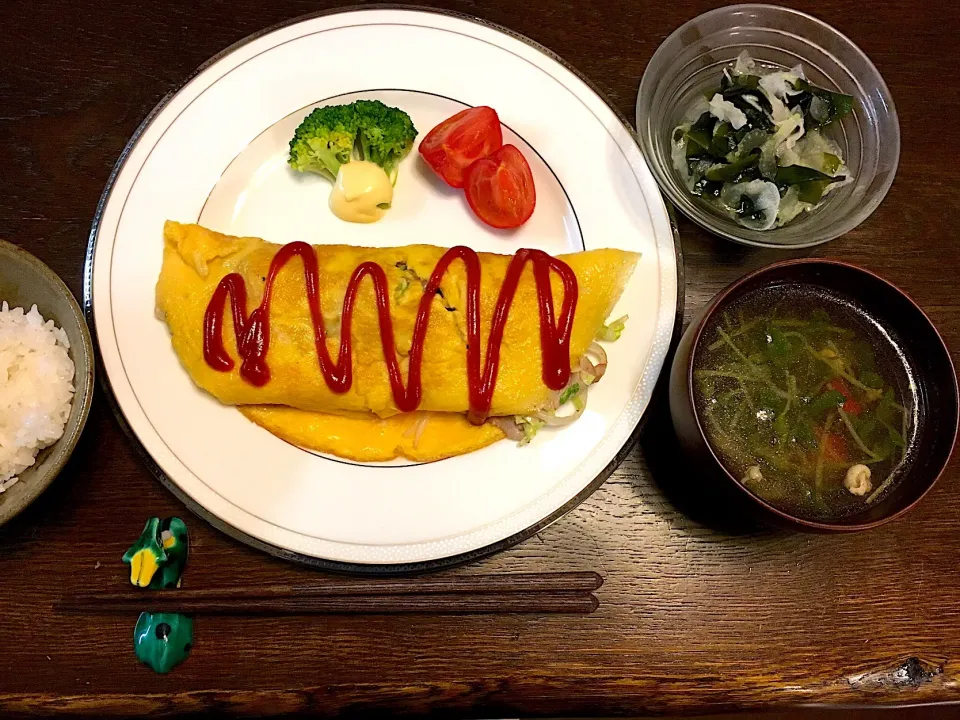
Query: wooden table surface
point(692, 618)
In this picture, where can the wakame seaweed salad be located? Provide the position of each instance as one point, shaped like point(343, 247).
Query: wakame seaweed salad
point(805, 401)
point(754, 147)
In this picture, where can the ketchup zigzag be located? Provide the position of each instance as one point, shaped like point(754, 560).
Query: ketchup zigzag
point(253, 331)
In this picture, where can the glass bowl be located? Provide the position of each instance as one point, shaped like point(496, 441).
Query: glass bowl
point(690, 63)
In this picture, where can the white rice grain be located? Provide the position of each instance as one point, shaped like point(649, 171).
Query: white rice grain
point(36, 388)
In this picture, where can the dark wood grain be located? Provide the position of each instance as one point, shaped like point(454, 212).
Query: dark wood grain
point(695, 615)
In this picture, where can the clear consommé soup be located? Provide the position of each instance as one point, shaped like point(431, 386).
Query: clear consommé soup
point(806, 399)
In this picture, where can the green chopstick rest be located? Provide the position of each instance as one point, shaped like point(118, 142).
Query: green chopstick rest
point(163, 640)
point(157, 560)
point(158, 557)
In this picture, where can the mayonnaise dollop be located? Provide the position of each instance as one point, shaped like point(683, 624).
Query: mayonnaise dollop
point(362, 192)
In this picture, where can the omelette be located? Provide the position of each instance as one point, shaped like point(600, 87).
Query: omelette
point(363, 421)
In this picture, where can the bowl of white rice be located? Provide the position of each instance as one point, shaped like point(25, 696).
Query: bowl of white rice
point(46, 377)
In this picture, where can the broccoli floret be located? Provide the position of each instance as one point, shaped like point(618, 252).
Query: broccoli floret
point(324, 140)
point(363, 130)
point(385, 135)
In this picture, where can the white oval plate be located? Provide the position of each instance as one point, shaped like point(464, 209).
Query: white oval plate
point(215, 153)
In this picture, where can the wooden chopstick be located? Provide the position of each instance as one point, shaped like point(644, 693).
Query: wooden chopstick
point(464, 584)
point(434, 603)
point(521, 593)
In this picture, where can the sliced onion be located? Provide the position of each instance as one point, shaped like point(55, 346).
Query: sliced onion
point(412, 427)
point(509, 426)
point(754, 102)
point(553, 397)
point(416, 428)
point(597, 349)
point(588, 367)
point(421, 426)
point(765, 199)
point(550, 417)
point(560, 420)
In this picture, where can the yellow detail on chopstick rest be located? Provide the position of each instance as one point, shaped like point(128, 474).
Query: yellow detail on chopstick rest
point(159, 555)
point(146, 554)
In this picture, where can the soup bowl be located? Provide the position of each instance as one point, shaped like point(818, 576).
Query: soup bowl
point(918, 339)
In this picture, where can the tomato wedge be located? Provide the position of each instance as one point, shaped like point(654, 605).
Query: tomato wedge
point(500, 188)
point(835, 448)
point(453, 145)
point(850, 405)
